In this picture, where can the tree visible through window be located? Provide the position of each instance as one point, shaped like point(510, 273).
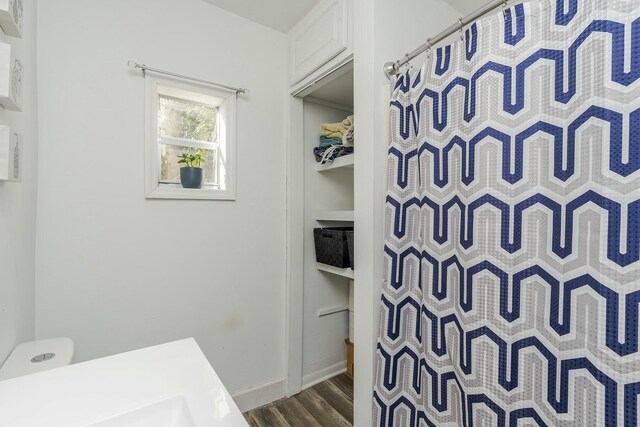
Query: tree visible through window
point(190, 121)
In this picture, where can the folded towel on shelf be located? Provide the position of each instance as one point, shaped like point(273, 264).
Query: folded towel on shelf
point(336, 140)
point(332, 130)
point(335, 134)
point(336, 130)
point(348, 121)
point(347, 138)
point(328, 142)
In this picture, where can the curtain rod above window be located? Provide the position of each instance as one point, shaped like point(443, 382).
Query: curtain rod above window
point(134, 65)
point(392, 68)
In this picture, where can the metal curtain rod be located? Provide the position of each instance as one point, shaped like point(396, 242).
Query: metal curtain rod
point(392, 68)
point(144, 69)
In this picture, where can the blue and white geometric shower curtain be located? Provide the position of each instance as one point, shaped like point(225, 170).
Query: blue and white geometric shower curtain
point(512, 288)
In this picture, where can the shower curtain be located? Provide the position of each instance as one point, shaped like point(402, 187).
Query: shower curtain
point(512, 265)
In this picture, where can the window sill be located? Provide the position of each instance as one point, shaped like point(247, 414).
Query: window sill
point(168, 191)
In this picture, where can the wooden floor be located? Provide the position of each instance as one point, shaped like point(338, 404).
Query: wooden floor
point(327, 404)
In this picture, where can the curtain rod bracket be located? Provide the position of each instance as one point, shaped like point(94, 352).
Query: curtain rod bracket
point(390, 69)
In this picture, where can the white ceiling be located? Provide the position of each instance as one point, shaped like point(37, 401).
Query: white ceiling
point(281, 15)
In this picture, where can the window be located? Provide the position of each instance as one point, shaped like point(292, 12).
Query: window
point(188, 118)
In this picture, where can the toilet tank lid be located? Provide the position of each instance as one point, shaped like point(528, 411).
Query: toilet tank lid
point(19, 362)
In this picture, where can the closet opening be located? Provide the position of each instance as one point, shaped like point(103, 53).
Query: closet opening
point(320, 307)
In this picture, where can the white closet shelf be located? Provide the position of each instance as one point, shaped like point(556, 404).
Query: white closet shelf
point(334, 216)
point(344, 272)
point(344, 162)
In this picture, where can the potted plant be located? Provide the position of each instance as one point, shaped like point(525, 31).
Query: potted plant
point(191, 175)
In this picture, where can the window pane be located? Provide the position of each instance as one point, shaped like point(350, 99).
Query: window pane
point(170, 169)
point(180, 118)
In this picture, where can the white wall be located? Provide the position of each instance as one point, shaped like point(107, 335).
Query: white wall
point(116, 272)
point(385, 30)
point(18, 205)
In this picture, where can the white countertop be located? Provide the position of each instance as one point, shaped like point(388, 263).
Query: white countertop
point(168, 385)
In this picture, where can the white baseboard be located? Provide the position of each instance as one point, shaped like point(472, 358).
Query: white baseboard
point(255, 397)
point(323, 374)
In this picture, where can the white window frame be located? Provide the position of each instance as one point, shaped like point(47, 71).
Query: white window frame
point(226, 145)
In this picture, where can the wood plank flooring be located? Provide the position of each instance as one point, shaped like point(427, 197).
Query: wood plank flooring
point(327, 404)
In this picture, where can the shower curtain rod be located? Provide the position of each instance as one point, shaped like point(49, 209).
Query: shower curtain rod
point(392, 68)
point(144, 68)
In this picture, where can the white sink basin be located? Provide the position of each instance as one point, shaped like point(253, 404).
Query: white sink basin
point(167, 413)
point(169, 385)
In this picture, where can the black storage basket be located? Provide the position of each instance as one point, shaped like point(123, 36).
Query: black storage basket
point(331, 246)
point(350, 247)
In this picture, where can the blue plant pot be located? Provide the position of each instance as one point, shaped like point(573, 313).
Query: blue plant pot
point(191, 177)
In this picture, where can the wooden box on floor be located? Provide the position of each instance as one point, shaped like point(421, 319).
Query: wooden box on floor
point(349, 357)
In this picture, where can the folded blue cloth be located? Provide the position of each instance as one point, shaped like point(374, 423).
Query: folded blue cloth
point(328, 154)
point(328, 142)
